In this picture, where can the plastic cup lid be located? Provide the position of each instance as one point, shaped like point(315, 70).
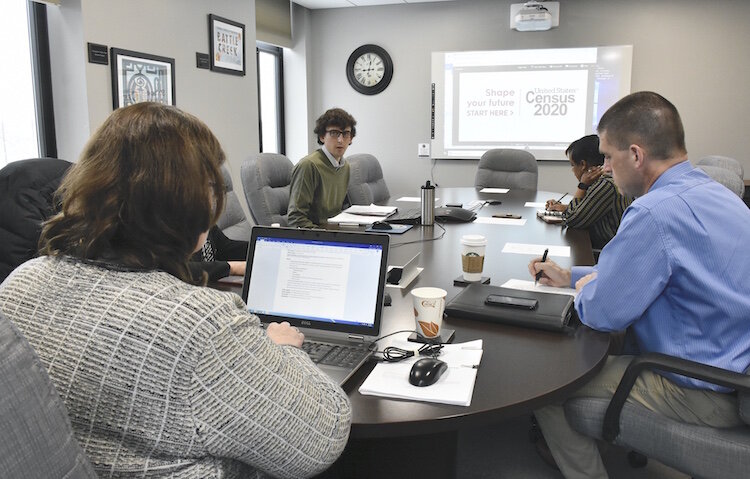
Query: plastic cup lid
point(474, 240)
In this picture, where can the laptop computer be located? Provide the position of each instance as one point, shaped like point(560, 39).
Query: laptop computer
point(329, 284)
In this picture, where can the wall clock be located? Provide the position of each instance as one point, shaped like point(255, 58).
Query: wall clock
point(369, 69)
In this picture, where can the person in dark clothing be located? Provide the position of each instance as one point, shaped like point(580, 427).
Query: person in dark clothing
point(27, 199)
point(220, 257)
point(27, 192)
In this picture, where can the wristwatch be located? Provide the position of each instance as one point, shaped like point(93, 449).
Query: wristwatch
point(583, 186)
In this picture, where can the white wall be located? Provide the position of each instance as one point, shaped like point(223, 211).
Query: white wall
point(178, 29)
point(695, 53)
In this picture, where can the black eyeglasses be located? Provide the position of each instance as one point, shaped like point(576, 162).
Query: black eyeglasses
point(337, 133)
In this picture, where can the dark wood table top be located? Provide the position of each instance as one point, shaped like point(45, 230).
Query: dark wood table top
point(521, 368)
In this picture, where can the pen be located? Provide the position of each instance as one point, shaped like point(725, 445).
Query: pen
point(561, 198)
point(544, 258)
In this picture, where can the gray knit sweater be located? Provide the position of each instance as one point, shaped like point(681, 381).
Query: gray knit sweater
point(165, 379)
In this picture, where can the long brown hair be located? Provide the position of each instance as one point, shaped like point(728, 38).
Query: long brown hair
point(148, 183)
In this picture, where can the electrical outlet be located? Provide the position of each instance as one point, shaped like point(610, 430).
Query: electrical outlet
point(423, 150)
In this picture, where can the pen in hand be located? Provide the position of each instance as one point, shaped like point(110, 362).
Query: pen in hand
point(561, 198)
point(539, 273)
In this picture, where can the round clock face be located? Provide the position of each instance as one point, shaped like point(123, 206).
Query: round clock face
point(369, 69)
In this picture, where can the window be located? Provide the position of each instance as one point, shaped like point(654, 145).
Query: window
point(26, 120)
point(270, 98)
point(18, 132)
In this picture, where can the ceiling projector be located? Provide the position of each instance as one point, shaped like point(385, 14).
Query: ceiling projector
point(532, 16)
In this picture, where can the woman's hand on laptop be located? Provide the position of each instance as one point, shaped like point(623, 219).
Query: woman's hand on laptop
point(284, 333)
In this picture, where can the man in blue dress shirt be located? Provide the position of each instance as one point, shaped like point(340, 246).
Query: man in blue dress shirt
point(675, 273)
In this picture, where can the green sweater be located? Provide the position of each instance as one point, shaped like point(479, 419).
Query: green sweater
point(317, 191)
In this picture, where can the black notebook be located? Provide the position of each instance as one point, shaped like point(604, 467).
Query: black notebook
point(531, 309)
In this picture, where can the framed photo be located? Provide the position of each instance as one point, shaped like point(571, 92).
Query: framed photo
point(226, 45)
point(138, 77)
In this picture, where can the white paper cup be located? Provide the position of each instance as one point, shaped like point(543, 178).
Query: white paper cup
point(429, 304)
point(472, 256)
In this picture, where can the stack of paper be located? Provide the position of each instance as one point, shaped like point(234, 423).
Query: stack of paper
point(362, 214)
point(455, 386)
point(370, 210)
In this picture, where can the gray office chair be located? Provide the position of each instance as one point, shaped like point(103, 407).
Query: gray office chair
point(232, 221)
point(726, 177)
point(700, 451)
point(366, 182)
point(36, 439)
point(507, 168)
point(265, 179)
point(724, 162)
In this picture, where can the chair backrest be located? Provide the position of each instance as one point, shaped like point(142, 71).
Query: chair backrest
point(366, 182)
point(507, 168)
point(724, 162)
point(36, 439)
point(265, 179)
point(27, 189)
point(232, 221)
point(726, 177)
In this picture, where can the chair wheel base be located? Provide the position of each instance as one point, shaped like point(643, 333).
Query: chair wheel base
point(637, 460)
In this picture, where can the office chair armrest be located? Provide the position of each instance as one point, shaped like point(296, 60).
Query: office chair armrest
point(663, 362)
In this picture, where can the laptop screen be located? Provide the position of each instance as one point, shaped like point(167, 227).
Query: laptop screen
point(317, 279)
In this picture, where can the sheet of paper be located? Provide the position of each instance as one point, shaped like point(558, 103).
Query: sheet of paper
point(370, 210)
point(531, 204)
point(500, 221)
point(347, 218)
point(455, 386)
point(413, 199)
point(529, 286)
point(536, 249)
point(494, 190)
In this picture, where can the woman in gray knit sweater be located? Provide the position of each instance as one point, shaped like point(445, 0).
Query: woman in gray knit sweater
point(162, 377)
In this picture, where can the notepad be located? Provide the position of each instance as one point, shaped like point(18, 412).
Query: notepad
point(536, 249)
point(455, 386)
point(530, 286)
point(494, 190)
point(500, 221)
point(370, 210)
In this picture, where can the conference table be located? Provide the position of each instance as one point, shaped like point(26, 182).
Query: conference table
point(521, 369)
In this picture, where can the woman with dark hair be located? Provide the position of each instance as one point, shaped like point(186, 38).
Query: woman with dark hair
point(597, 205)
point(163, 377)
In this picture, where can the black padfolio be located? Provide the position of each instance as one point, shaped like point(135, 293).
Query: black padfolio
point(553, 312)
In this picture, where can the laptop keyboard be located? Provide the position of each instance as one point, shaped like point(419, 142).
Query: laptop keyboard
point(335, 354)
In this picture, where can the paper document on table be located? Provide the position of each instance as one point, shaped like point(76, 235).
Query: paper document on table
point(347, 218)
point(536, 249)
point(455, 386)
point(494, 190)
point(370, 210)
point(413, 199)
point(531, 204)
point(500, 221)
point(524, 285)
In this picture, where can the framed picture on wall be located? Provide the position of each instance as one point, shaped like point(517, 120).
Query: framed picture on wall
point(138, 77)
point(226, 45)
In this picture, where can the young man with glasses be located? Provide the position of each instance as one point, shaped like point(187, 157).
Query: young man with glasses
point(320, 180)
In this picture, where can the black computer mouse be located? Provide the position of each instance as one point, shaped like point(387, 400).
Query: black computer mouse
point(427, 371)
point(381, 225)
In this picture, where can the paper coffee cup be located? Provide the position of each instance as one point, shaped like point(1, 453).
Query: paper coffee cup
point(429, 304)
point(472, 256)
